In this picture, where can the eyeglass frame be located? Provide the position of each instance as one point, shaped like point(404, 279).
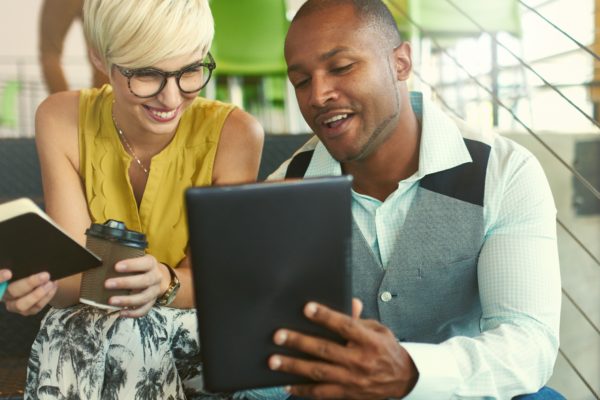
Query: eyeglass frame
point(129, 73)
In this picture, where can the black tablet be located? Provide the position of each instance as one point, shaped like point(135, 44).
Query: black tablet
point(259, 253)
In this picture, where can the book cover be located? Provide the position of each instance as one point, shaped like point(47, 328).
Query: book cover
point(30, 242)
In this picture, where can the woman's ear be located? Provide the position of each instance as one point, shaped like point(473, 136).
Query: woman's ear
point(96, 61)
point(403, 61)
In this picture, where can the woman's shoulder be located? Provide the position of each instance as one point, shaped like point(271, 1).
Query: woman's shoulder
point(65, 107)
point(57, 114)
point(225, 114)
point(240, 123)
point(57, 104)
point(56, 126)
point(206, 121)
point(60, 115)
point(209, 110)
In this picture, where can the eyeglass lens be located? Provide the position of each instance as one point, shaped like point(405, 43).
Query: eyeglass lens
point(146, 83)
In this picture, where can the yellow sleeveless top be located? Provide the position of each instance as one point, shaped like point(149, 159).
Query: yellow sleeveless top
point(186, 161)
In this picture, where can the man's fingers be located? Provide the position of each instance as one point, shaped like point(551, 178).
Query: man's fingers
point(357, 307)
point(320, 348)
point(346, 326)
point(315, 370)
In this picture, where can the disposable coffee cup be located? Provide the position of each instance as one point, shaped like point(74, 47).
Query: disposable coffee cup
point(112, 242)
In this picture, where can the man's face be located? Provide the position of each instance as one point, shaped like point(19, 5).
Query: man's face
point(345, 81)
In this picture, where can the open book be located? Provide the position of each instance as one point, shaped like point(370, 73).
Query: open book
point(30, 242)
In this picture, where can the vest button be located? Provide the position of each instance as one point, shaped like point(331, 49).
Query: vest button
point(385, 296)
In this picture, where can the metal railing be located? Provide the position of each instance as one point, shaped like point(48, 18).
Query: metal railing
point(495, 98)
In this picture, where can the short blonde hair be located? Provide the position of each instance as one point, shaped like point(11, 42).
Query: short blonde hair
point(141, 33)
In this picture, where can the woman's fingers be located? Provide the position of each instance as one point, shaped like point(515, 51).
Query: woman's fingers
point(5, 275)
point(24, 286)
point(145, 274)
point(31, 302)
point(135, 299)
point(137, 312)
point(144, 283)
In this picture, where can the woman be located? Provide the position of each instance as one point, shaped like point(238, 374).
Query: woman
point(127, 151)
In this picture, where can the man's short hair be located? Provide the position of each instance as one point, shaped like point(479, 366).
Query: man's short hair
point(373, 12)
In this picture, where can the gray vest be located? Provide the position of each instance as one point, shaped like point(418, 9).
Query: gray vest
point(428, 292)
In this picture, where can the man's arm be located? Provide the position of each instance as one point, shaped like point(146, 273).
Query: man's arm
point(519, 285)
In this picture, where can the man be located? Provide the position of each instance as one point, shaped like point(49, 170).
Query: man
point(454, 254)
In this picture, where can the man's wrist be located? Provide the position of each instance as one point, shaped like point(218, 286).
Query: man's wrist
point(439, 375)
point(414, 376)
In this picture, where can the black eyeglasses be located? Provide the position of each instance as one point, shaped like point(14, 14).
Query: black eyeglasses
point(148, 82)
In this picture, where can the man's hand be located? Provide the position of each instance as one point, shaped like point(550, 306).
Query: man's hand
point(372, 365)
point(29, 295)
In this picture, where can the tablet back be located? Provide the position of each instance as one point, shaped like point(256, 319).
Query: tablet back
point(260, 252)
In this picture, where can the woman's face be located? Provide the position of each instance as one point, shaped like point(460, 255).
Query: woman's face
point(159, 114)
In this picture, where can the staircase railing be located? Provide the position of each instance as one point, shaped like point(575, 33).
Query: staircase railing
point(495, 98)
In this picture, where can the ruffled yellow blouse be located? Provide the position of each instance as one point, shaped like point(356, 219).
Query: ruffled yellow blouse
point(187, 161)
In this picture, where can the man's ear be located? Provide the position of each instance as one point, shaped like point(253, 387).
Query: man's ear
point(96, 61)
point(403, 61)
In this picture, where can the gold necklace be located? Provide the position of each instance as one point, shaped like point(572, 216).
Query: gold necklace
point(124, 140)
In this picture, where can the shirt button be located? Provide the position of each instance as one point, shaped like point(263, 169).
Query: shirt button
point(386, 296)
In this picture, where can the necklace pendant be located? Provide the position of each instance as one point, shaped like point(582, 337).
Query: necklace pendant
point(129, 147)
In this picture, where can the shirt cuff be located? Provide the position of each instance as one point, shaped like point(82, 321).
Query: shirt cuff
point(439, 375)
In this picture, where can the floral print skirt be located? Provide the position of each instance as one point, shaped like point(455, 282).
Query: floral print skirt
point(82, 352)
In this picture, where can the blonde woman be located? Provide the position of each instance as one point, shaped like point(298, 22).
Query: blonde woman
point(127, 151)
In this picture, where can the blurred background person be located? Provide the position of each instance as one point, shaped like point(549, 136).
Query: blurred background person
point(56, 19)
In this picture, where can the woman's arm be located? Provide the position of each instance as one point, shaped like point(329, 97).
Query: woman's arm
point(240, 148)
point(57, 145)
point(58, 149)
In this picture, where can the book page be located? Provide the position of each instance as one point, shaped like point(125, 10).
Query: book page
point(21, 206)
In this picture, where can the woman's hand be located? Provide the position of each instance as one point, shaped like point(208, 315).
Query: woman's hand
point(145, 285)
point(29, 295)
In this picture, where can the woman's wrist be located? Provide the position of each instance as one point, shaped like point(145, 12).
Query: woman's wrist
point(165, 278)
point(168, 296)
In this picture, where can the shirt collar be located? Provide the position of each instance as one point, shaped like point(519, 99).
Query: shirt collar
point(442, 146)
